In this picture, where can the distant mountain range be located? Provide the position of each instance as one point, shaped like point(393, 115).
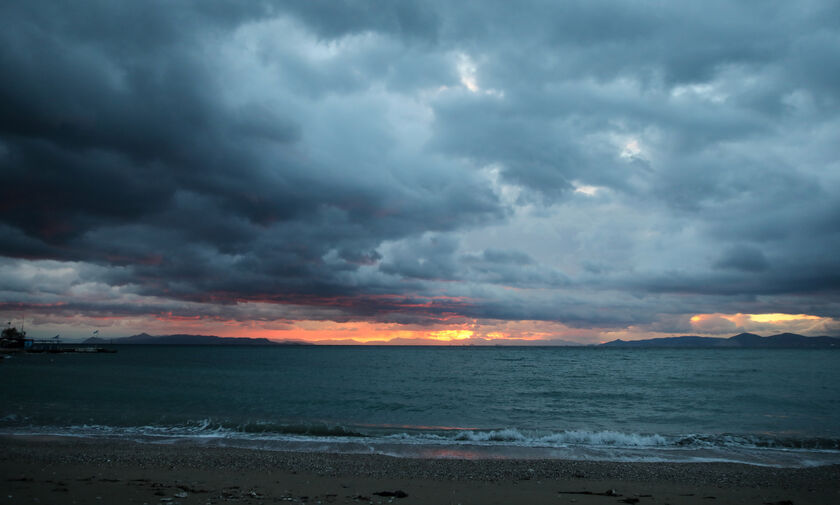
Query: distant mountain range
point(181, 339)
point(146, 339)
point(742, 340)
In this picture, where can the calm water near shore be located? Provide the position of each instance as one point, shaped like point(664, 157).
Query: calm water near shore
point(772, 407)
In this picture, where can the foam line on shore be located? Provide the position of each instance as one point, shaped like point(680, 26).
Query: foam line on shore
point(470, 444)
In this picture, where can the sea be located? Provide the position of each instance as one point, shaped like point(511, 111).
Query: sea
point(772, 407)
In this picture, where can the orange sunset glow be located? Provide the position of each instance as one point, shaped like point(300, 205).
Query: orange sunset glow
point(740, 319)
point(761, 323)
point(469, 332)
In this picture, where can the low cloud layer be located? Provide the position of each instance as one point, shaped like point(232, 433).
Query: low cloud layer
point(598, 167)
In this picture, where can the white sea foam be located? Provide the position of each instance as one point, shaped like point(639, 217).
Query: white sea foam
point(505, 435)
point(505, 443)
point(560, 439)
point(613, 438)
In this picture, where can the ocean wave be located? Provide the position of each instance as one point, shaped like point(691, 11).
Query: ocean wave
point(313, 430)
point(759, 441)
point(576, 437)
point(503, 437)
point(619, 439)
point(209, 428)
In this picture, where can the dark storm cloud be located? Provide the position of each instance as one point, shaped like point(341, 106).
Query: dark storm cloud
point(409, 19)
point(594, 163)
point(119, 149)
point(748, 259)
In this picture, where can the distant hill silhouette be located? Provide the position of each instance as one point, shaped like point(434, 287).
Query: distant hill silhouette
point(742, 340)
point(182, 339)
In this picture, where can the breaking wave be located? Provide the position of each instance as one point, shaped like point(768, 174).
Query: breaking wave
point(407, 441)
point(578, 437)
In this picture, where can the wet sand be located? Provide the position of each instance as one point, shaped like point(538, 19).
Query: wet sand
point(63, 470)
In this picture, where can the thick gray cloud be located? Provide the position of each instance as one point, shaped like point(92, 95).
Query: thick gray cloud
point(599, 164)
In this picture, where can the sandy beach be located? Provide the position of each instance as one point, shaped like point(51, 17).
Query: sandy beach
point(74, 470)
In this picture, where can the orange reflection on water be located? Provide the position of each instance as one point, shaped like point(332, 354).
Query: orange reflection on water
point(455, 453)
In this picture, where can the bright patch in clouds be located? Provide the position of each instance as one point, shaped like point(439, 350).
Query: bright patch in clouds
point(780, 318)
point(763, 323)
point(708, 92)
point(466, 71)
point(449, 335)
point(586, 189)
point(741, 319)
point(631, 149)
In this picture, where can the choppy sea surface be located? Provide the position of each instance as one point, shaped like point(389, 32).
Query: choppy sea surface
point(765, 407)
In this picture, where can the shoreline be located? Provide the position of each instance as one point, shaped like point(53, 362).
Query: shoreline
point(509, 444)
point(64, 470)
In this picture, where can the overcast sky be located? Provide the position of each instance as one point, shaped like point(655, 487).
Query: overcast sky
point(578, 170)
